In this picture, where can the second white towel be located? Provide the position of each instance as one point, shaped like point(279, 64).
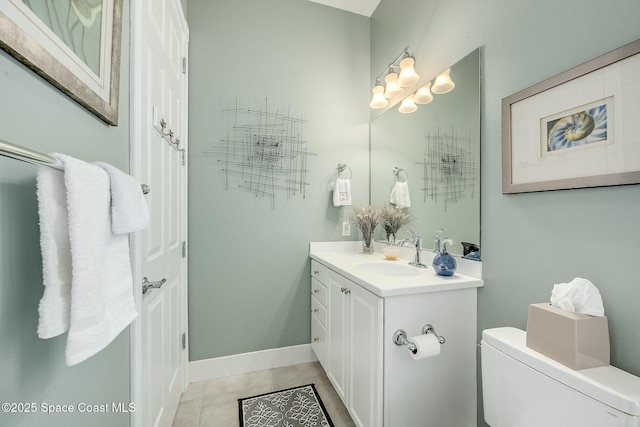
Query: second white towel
point(400, 195)
point(342, 192)
point(102, 303)
point(129, 210)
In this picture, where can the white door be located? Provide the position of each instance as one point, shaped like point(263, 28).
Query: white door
point(159, 355)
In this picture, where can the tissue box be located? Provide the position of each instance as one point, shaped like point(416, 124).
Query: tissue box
point(576, 340)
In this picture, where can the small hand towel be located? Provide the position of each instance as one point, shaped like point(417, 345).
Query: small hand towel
point(342, 192)
point(102, 303)
point(56, 253)
point(129, 210)
point(400, 195)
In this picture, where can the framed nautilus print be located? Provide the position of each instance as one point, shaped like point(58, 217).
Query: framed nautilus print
point(73, 44)
point(577, 129)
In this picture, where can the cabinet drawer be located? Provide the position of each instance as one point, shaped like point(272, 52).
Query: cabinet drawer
point(319, 311)
point(318, 271)
point(319, 291)
point(319, 341)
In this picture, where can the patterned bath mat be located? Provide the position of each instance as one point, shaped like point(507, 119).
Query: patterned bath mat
point(293, 407)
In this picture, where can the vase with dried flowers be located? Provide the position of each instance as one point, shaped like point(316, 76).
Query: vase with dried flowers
point(392, 220)
point(366, 220)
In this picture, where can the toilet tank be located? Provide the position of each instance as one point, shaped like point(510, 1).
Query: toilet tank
point(524, 388)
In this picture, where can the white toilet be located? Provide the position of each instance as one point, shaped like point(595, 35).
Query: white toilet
point(523, 388)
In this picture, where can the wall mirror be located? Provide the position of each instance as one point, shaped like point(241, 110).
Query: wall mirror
point(436, 151)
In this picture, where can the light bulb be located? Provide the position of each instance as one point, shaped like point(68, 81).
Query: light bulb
point(408, 75)
point(393, 88)
point(407, 105)
point(378, 100)
point(443, 83)
point(423, 95)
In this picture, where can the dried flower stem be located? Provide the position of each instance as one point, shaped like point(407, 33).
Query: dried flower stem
point(366, 219)
point(392, 220)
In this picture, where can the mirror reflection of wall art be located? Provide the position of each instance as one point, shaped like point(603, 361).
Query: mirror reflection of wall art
point(576, 129)
point(73, 44)
point(450, 171)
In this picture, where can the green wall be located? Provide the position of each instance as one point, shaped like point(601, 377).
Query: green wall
point(36, 115)
point(248, 258)
point(531, 241)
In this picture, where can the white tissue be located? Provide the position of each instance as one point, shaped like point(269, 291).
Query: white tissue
point(579, 295)
point(427, 345)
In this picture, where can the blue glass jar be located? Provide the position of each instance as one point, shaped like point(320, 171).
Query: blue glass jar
point(444, 264)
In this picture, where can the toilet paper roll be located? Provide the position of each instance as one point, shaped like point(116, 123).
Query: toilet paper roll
point(427, 345)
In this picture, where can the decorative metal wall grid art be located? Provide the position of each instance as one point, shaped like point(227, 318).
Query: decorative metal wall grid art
point(450, 168)
point(266, 149)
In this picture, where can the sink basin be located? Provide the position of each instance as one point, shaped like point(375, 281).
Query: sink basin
point(390, 268)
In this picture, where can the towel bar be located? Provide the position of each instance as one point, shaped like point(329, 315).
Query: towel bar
point(24, 154)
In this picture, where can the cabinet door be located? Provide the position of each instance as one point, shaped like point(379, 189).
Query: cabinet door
point(337, 333)
point(319, 341)
point(365, 350)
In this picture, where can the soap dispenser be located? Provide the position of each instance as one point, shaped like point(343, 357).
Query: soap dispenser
point(444, 264)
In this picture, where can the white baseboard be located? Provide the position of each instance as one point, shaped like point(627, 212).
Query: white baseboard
point(236, 364)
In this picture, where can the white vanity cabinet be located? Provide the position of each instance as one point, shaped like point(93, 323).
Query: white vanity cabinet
point(367, 300)
point(353, 351)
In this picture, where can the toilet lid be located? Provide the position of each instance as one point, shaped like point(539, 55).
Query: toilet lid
point(608, 384)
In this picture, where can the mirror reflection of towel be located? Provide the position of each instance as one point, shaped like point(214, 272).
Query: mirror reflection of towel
point(400, 195)
point(342, 192)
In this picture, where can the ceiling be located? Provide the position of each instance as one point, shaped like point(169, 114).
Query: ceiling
point(361, 7)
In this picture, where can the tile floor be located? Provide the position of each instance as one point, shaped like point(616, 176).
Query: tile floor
point(214, 403)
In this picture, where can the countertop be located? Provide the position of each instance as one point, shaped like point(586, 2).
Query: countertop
point(351, 263)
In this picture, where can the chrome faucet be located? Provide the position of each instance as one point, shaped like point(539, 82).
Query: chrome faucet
point(416, 241)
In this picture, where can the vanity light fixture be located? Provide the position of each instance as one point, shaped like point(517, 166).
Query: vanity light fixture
point(408, 75)
point(443, 83)
point(378, 101)
point(395, 83)
point(408, 105)
point(392, 86)
point(423, 95)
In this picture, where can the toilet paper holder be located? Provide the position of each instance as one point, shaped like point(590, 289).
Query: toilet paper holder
point(400, 337)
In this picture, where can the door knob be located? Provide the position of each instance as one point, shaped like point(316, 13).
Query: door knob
point(146, 284)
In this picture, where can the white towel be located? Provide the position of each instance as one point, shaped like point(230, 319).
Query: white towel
point(102, 303)
point(400, 195)
point(56, 253)
point(342, 192)
point(129, 211)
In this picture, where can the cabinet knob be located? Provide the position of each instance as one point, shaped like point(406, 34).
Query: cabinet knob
point(345, 291)
point(316, 272)
point(315, 291)
point(316, 339)
point(315, 310)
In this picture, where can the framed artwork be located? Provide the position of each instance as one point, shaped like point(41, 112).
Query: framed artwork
point(73, 44)
point(576, 129)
